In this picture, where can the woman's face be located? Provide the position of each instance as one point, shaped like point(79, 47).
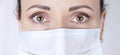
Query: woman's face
point(51, 14)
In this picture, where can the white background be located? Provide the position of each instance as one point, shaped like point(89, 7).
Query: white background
point(9, 28)
point(111, 44)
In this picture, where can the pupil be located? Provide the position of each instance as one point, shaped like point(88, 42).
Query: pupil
point(40, 19)
point(79, 19)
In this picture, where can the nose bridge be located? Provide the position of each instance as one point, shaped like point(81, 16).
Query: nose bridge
point(58, 20)
point(58, 14)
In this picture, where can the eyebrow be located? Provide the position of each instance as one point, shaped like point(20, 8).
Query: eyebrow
point(40, 7)
point(79, 7)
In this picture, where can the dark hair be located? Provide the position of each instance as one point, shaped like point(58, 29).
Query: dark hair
point(102, 5)
point(19, 7)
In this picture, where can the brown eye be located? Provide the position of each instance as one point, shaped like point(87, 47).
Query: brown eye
point(80, 19)
point(39, 19)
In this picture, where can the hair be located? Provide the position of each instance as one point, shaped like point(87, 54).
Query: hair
point(19, 8)
point(102, 7)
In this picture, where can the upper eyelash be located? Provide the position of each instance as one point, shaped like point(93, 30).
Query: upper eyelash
point(82, 13)
point(35, 14)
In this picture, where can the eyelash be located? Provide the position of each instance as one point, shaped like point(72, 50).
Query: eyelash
point(80, 15)
point(39, 15)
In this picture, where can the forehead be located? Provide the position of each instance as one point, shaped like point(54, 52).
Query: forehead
point(66, 3)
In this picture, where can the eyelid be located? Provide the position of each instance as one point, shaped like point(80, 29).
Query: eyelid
point(80, 13)
point(38, 13)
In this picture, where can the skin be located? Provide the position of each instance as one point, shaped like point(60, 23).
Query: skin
point(61, 14)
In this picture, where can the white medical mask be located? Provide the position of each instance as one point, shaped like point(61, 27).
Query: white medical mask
point(60, 42)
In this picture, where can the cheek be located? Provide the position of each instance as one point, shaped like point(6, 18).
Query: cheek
point(95, 23)
point(97, 18)
point(24, 22)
